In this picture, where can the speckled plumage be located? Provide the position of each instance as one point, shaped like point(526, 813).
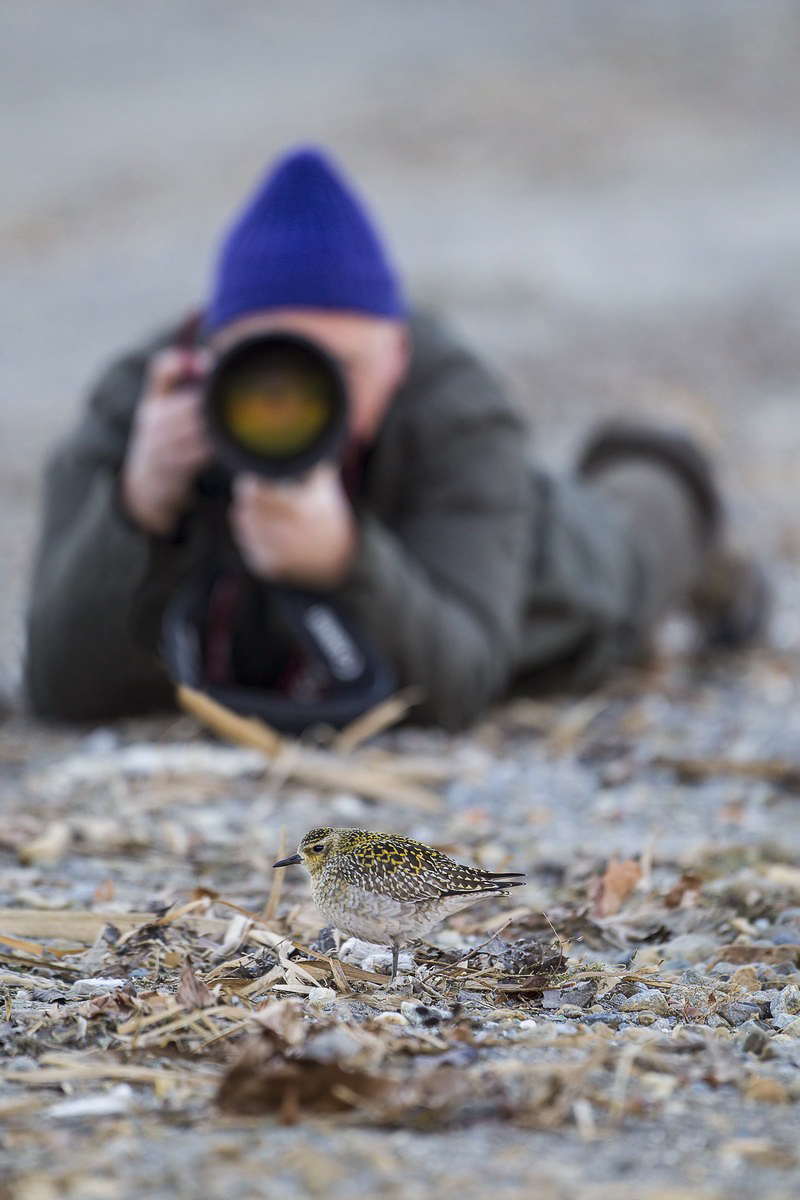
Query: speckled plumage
point(389, 889)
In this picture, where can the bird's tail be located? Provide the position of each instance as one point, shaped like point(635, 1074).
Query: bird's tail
point(492, 881)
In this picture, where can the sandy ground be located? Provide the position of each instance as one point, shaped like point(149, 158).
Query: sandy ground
point(606, 197)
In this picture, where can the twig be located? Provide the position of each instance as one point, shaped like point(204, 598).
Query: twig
point(774, 770)
point(277, 879)
point(304, 764)
point(379, 718)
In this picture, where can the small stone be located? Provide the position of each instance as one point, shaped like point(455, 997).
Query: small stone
point(390, 1018)
point(740, 1011)
point(765, 1090)
point(787, 1001)
point(583, 993)
point(746, 980)
point(715, 1021)
point(649, 1000)
point(421, 1014)
point(647, 1018)
point(691, 947)
point(756, 1042)
point(335, 1045)
point(321, 997)
point(611, 1019)
point(792, 1026)
point(93, 987)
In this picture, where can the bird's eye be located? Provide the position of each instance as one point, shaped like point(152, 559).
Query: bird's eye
point(318, 848)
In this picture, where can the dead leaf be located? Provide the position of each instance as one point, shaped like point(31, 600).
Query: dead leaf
point(765, 1090)
point(285, 1021)
point(684, 893)
point(49, 847)
point(108, 1004)
point(192, 993)
point(610, 891)
point(104, 892)
point(261, 1081)
point(741, 953)
point(23, 945)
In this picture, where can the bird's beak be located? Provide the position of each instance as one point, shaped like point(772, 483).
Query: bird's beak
point(288, 862)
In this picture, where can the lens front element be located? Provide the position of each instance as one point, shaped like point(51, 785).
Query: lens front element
point(276, 404)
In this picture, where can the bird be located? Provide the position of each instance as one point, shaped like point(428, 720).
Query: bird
point(389, 889)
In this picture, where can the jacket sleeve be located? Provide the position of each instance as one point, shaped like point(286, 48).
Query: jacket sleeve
point(439, 585)
point(81, 661)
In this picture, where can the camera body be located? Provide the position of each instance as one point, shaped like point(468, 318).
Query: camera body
point(276, 405)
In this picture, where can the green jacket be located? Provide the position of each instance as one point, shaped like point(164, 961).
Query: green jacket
point(475, 569)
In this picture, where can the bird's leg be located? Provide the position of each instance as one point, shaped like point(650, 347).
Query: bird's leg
point(395, 956)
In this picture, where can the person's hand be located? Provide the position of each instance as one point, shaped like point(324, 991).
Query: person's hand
point(302, 532)
point(169, 443)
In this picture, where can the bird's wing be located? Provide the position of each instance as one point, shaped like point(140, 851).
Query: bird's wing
point(416, 889)
point(486, 883)
point(422, 889)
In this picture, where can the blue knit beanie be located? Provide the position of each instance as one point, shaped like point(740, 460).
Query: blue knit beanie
point(304, 240)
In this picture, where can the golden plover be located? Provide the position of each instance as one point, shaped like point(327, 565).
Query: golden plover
point(389, 889)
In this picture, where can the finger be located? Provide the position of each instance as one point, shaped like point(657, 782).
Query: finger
point(183, 414)
point(176, 367)
point(247, 487)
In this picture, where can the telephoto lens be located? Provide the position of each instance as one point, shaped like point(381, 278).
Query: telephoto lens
point(276, 405)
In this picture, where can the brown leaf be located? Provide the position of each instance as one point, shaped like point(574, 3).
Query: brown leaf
point(741, 953)
point(261, 1081)
point(192, 992)
point(104, 892)
point(284, 1021)
point(49, 847)
point(108, 1004)
point(609, 892)
point(764, 1090)
point(684, 893)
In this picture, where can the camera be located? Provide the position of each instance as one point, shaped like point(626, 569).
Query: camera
point(276, 405)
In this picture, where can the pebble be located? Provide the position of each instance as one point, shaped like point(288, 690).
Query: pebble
point(715, 1021)
point(788, 1025)
point(91, 987)
point(787, 1002)
point(321, 997)
point(746, 980)
point(421, 1014)
point(755, 1042)
point(335, 1045)
point(740, 1011)
point(650, 1000)
point(691, 947)
point(613, 1020)
point(390, 1018)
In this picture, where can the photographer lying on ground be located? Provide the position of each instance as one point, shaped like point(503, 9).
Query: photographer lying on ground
point(463, 568)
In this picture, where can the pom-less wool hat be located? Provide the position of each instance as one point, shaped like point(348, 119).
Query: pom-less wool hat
point(304, 240)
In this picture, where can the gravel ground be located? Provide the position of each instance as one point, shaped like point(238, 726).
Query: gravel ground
point(606, 198)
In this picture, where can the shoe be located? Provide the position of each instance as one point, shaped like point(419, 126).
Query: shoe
point(732, 600)
point(620, 439)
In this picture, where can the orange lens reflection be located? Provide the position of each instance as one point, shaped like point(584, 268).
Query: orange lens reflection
point(275, 411)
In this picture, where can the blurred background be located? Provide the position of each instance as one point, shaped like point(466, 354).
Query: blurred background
point(605, 197)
